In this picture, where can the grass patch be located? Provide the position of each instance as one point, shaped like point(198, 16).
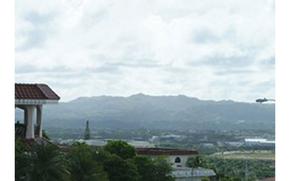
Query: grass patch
point(255, 155)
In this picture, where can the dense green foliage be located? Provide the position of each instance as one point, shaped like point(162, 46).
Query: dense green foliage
point(47, 163)
point(145, 167)
point(235, 169)
point(82, 165)
point(120, 169)
point(162, 169)
point(154, 170)
point(195, 162)
point(121, 163)
point(117, 161)
point(42, 162)
point(120, 148)
point(21, 160)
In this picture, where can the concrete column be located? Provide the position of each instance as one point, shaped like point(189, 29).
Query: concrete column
point(39, 121)
point(30, 122)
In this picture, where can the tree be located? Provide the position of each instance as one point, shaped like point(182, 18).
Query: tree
point(44, 135)
point(83, 166)
point(196, 161)
point(22, 160)
point(145, 167)
point(47, 163)
point(153, 169)
point(119, 169)
point(162, 169)
point(120, 148)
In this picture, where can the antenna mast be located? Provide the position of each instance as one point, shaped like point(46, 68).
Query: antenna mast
point(87, 135)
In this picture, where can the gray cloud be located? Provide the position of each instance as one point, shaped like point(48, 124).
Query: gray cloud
point(38, 19)
point(208, 49)
point(229, 72)
point(205, 36)
point(39, 31)
point(225, 62)
point(269, 62)
point(25, 69)
point(34, 39)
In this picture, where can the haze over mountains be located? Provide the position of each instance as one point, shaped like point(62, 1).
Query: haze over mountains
point(158, 112)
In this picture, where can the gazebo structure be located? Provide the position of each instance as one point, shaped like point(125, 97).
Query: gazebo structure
point(31, 98)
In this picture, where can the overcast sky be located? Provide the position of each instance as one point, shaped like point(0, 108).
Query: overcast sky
point(210, 49)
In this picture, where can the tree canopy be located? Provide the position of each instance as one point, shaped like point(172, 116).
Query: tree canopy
point(83, 166)
point(117, 161)
point(120, 148)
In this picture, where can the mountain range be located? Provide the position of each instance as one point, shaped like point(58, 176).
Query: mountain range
point(158, 112)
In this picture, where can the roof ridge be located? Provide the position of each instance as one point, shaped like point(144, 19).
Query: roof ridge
point(42, 92)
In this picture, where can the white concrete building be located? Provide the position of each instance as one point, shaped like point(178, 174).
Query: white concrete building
point(178, 158)
point(31, 98)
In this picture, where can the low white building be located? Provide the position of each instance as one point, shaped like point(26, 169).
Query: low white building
point(192, 174)
point(178, 158)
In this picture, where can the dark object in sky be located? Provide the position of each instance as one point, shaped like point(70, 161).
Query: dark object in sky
point(264, 100)
point(87, 132)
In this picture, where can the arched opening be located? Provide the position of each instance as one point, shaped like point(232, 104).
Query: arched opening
point(177, 160)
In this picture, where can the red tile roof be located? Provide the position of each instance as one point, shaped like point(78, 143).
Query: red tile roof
point(35, 91)
point(164, 151)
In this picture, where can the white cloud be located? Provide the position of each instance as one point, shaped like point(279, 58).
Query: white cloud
point(209, 49)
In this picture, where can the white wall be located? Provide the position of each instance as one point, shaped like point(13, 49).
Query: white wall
point(183, 160)
point(171, 160)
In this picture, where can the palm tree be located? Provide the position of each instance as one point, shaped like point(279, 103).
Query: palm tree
point(47, 163)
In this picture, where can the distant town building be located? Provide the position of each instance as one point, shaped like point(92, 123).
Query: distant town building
point(31, 98)
point(259, 142)
point(234, 143)
point(87, 134)
point(168, 137)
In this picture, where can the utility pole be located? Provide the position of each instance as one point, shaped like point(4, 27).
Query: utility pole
point(246, 170)
point(87, 135)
